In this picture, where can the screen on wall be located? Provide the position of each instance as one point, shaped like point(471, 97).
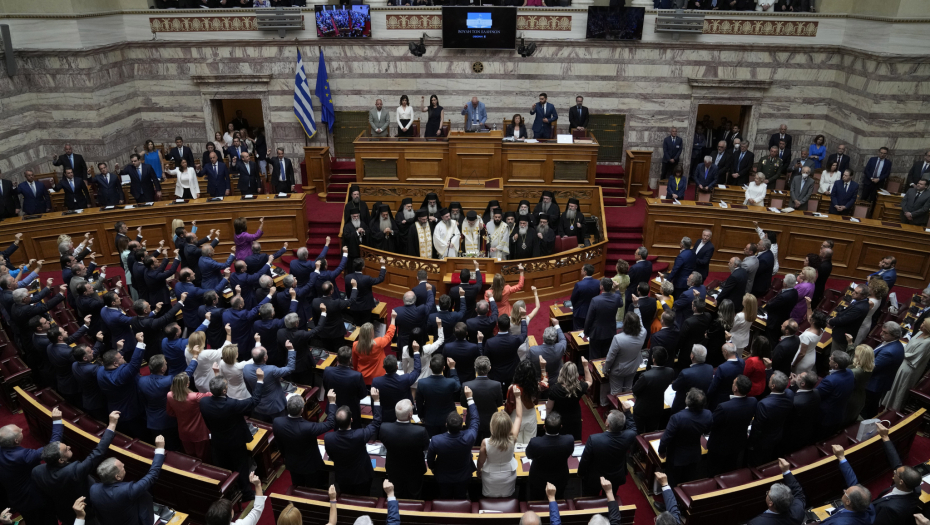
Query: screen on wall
point(479, 27)
point(342, 21)
point(616, 23)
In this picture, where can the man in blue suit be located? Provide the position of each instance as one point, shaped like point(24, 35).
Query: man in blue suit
point(449, 455)
point(728, 433)
point(886, 271)
point(545, 116)
point(682, 305)
point(436, 394)
point(720, 386)
point(292, 433)
point(143, 183)
point(699, 375)
point(888, 358)
point(153, 391)
point(240, 320)
point(704, 252)
point(35, 195)
point(705, 175)
point(600, 325)
point(762, 282)
point(586, 289)
point(857, 500)
point(785, 501)
point(348, 384)
point(303, 267)
point(640, 272)
point(671, 152)
point(681, 441)
point(109, 187)
point(346, 449)
point(450, 318)
point(835, 390)
point(267, 329)
point(76, 195)
point(236, 150)
point(211, 271)
point(395, 387)
point(875, 175)
point(17, 464)
point(410, 316)
point(273, 396)
point(843, 195)
point(218, 181)
point(117, 380)
point(772, 415)
point(195, 296)
point(502, 350)
point(684, 266)
point(477, 115)
point(119, 502)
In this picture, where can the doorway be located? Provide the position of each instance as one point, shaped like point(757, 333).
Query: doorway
point(227, 110)
point(735, 115)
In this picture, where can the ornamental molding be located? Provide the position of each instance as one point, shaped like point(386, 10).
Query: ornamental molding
point(231, 79)
point(761, 27)
point(728, 83)
point(405, 22)
point(195, 24)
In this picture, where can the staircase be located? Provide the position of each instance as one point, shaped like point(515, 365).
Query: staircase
point(343, 175)
point(625, 234)
point(612, 181)
point(323, 219)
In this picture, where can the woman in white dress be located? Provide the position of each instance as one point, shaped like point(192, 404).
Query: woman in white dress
point(806, 356)
point(773, 238)
point(207, 358)
point(186, 186)
point(828, 177)
point(495, 461)
point(755, 192)
point(404, 117)
point(232, 372)
point(418, 336)
point(516, 317)
point(878, 288)
point(230, 134)
point(739, 335)
point(916, 355)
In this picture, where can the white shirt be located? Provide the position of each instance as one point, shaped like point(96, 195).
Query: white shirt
point(186, 180)
point(255, 514)
point(755, 192)
point(404, 114)
point(827, 179)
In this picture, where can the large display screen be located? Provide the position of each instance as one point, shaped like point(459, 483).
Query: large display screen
point(616, 23)
point(342, 21)
point(486, 27)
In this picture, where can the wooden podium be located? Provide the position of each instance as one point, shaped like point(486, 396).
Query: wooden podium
point(475, 155)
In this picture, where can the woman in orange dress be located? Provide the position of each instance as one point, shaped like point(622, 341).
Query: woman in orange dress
point(184, 405)
point(368, 351)
point(502, 292)
point(757, 363)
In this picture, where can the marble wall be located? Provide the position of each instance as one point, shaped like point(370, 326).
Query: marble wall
point(107, 98)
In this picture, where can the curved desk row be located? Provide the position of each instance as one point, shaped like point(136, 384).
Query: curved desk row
point(859, 246)
point(285, 221)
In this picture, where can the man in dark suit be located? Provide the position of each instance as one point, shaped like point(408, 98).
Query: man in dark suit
point(914, 207)
point(347, 383)
point(346, 449)
point(806, 417)
point(180, 152)
point(236, 150)
point(586, 289)
point(550, 453)
point(488, 396)
point(875, 176)
point(850, 319)
point(640, 272)
point(735, 285)
point(156, 278)
point(782, 135)
point(886, 271)
point(72, 160)
point(483, 323)
point(784, 352)
point(772, 415)
point(463, 351)
point(239, 122)
point(436, 394)
point(693, 329)
point(332, 329)
point(733, 136)
point(282, 172)
point(899, 505)
point(250, 176)
point(778, 309)
point(682, 305)
point(143, 183)
point(727, 441)
point(835, 390)
point(785, 501)
point(76, 195)
point(578, 115)
point(605, 454)
point(762, 282)
point(684, 267)
point(647, 309)
point(63, 481)
point(703, 253)
point(229, 433)
point(502, 349)
point(669, 337)
point(395, 387)
point(9, 201)
point(360, 309)
point(718, 392)
point(449, 319)
point(742, 165)
point(36, 198)
point(600, 324)
point(109, 187)
point(857, 500)
point(118, 502)
point(723, 160)
point(419, 291)
point(843, 195)
point(410, 316)
point(840, 158)
point(888, 358)
point(680, 444)
point(405, 444)
point(472, 290)
point(919, 170)
point(292, 433)
point(649, 393)
point(546, 114)
point(449, 455)
point(705, 175)
point(17, 464)
point(217, 175)
point(672, 146)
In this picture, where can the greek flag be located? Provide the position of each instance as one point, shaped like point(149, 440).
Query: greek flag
point(303, 106)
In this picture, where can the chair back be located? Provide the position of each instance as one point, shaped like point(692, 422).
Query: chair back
point(704, 196)
point(812, 204)
point(861, 210)
point(776, 202)
point(579, 133)
point(663, 190)
point(779, 183)
point(894, 186)
point(444, 130)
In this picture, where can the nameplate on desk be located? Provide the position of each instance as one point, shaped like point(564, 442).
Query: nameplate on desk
point(105, 208)
point(177, 201)
point(282, 196)
point(739, 207)
point(891, 224)
point(215, 199)
point(129, 207)
point(248, 197)
point(30, 217)
point(704, 203)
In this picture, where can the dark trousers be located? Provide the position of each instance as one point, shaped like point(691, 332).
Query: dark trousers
point(598, 348)
point(870, 408)
point(236, 459)
point(357, 489)
point(453, 490)
point(870, 190)
point(682, 474)
point(409, 487)
point(432, 430)
point(134, 427)
point(725, 460)
point(649, 423)
point(267, 418)
point(577, 323)
point(313, 480)
point(591, 486)
point(44, 515)
point(172, 439)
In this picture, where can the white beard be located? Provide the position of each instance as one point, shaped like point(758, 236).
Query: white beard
point(570, 214)
point(524, 210)
point(523, 230)
point(431, 208)
point(409, 214)
point(545, 206)
point(384, 223)
point(356, 223)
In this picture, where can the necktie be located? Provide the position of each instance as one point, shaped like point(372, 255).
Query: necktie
point(718, 158)
point(238, 152)
point(71, 160)
point(71, 182)
point(107, 178)
point(839, 160)
point(579, 111)
point(925, 166)
point(878, 172)
point(214, 167)
point(247, 171)
point(781, 153)
point(741, 157)
point(139, 171)
point(846, 187)
point(918, 194)
point(32, 185)
point(283, 176)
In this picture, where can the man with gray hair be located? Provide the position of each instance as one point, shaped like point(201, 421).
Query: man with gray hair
point(735, 285)
point(303, 267)
point(211, 272)
point(888, 358)
point(552, 350)
point(705, 175)
point(682, 304)
point(719, 390)
point(640, 272)
point(274, 398)
point(119, 502)
point(404, 444)
point(17, 464)
point(699, 375)
point(605, 454)
point(801, 189)
point(487, 394)
point(751, 265)
point(835, 390)
point(785, 501)
point(305, 366)
point(292, 433)
point(684, 265)
point(772, 415)
point(267, 328)
point(410, 316)
point(778, 308)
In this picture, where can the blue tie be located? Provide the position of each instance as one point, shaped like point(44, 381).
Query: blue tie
point(71, 182)
point(71, 160)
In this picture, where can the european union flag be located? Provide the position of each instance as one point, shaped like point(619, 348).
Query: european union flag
point(324, 94)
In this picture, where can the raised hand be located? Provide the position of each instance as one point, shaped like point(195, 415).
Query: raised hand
point(783, 465)
point(228, 328)
point(139, 337)
point(839, 452)
point(99, 336)
point(415, 346)
point(450, 363)
point(467, 392)
point(289, 345)
point(160, 441)
point(184, 297)
point(331, 396)
point(258, 338)
point(259, 374)
point(661, 479)
point(78, 508)
point(375, 395)
point(87, 319)
point(56, 414)
point(354, 283)
point(480, 337)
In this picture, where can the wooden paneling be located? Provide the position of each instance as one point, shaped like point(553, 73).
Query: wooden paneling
point(858, 247)
point(316, 159)
point(637, 166)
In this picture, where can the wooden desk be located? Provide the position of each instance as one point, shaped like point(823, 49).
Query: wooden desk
point(858, 246)
point(733, 194)
point(888, 207)
point(564, 315)
point(179, 518)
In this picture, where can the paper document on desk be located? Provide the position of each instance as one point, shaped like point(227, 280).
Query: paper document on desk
point(542, 411)
point(376, 449)
point(366, 401)
point(723, 204)
point(853, 219)
point(787, 210)
point(527, 463)
point(658, 280)
point(415, 418)
point(129, 207)
point(883, 192)
point(322, 450)
point(774, 209)
point(531, 141)
point(722, 186)
point(579, 450)
point(669, 396)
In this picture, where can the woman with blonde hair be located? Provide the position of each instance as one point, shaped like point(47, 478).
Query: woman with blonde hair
point(516, 317)
point(184, 405)
point(742, 322)
point(807, 279)
point(916, 355)
point(207, 358)
point(502, 292)
point(863, 364)
point(495, 460)
point(878, 289)
point(368, 351)
point(621, 283)
point(232, 372)
point(663, 302)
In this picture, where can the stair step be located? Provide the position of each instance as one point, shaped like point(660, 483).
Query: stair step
point(614, 201)
point(342, 178)
point(626, 247)
point(610, 183)
point(614, 192)
point(342, 166)
point(609, 170)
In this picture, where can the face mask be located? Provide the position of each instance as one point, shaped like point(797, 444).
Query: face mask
point(804, 176)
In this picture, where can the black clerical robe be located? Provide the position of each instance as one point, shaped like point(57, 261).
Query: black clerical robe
point(524, 246)
point(353, 240)
point(547, 242)
point(380, 240)
point(568, 227)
